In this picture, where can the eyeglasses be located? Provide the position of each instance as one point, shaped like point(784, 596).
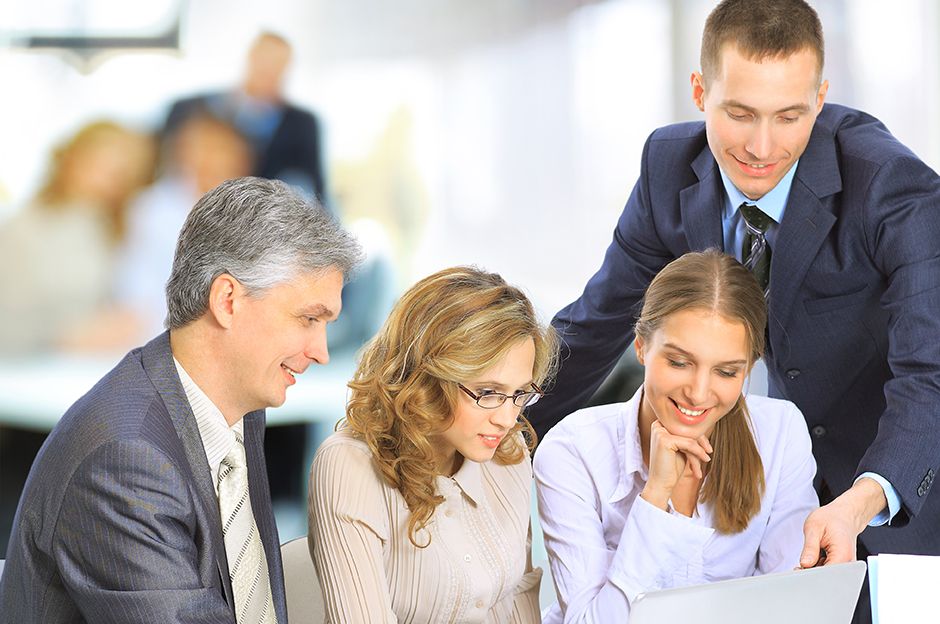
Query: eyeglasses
point(492, 400)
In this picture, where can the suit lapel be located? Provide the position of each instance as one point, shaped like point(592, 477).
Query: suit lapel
point(260, 493)
point(701, 205)
point(806, 222)
point(158, 363)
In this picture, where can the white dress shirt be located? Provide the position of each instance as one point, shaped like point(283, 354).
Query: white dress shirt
point(217, 437)
point(606, 544)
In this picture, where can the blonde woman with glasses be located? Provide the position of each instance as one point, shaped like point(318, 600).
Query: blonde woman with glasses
point(419, 503)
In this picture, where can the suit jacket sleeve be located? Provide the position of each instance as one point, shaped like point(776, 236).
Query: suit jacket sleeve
point(124, 540)
point(596, 329)
point(312, 155)
point(902, 215)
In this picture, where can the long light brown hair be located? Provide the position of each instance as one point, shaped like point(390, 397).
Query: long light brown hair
point(718, 283)
point(450, 327)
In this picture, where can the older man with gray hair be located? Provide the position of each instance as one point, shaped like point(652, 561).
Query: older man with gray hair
point(149, 501)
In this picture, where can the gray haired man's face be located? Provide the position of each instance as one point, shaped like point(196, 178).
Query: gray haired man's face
point(276, 336)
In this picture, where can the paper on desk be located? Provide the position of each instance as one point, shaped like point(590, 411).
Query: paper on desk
point(900, 585)
point(873, 586)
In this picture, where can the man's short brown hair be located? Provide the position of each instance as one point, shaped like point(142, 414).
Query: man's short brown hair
point(760, 30)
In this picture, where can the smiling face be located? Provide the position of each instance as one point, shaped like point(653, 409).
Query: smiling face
point(695, 363)
point(279, 334)
point(759, 115)
point(475, 432)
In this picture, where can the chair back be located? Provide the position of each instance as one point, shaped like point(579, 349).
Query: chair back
point(301, 584)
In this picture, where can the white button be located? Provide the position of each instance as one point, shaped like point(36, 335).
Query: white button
point(449, 513)
point(479, 604)
point(467, 558)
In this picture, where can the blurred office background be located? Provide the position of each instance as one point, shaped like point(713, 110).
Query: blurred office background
point(504, 133)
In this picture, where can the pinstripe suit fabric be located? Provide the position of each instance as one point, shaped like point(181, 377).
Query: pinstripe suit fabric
point(118, 521)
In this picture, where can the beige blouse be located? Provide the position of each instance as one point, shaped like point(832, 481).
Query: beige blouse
point(477, 567)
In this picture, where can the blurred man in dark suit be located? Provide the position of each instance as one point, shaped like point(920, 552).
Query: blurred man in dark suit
point(286, 139)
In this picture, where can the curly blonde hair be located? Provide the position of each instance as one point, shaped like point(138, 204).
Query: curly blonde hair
point(449, 327)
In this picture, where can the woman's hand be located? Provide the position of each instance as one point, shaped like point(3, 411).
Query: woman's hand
point(671, 457)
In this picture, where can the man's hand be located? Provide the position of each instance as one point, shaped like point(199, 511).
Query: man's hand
point(835, 527)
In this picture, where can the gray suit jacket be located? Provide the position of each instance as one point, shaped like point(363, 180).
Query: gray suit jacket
point(119, 521)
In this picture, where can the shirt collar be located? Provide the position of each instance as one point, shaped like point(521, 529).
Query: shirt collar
point(631, 458)
point(217, 437)
point(773, 204)
point(469, 479)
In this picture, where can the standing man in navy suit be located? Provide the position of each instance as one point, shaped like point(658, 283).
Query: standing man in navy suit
point(149, 501)
point(286, 139)
point(849, 221)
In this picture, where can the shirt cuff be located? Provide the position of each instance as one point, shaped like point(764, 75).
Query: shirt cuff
point(894, 501)
point(657, 550)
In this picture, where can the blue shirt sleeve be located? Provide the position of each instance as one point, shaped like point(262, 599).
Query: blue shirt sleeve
point(894, 501)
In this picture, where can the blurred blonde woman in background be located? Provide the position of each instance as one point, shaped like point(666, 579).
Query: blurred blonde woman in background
point(419, 503)
point(57, 254)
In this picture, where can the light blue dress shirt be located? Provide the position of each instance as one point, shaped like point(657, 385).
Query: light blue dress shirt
point(774, 205)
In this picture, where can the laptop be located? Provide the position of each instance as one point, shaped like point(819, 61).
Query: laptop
point(824, 595)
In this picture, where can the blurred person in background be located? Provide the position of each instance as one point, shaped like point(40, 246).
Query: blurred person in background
point(57, 254)
point(285, 138)
point(204, 152)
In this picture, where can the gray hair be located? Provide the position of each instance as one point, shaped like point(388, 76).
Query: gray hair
point(262, 233)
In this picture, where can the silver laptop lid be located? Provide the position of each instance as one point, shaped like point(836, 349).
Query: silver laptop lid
point(825, 595)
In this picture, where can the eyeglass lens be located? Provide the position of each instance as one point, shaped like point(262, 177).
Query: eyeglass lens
point(496, 399)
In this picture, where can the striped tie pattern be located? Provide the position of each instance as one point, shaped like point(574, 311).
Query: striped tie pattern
point(755, 253)
point(247, 564)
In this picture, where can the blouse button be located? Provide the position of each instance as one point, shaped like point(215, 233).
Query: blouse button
point(467, 558)
point(479, 604)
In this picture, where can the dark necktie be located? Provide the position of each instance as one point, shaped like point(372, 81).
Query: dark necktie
point(755, 253)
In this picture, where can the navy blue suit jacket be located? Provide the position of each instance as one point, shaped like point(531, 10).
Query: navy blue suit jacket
point(119, 521)
point(854, 305)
